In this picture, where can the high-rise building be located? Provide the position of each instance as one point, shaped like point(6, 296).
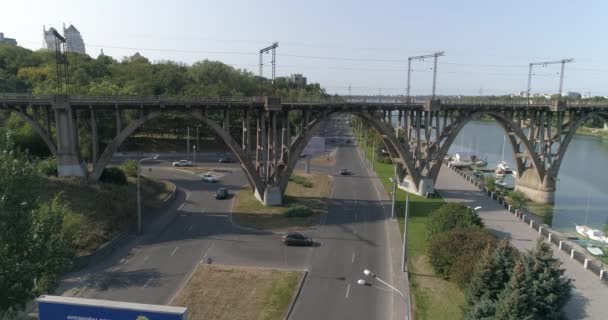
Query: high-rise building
point(298, 79)
point(73, 39)
point(48, 38)
point(4, 40)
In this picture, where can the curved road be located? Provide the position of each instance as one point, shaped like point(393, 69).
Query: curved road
point(197, 228)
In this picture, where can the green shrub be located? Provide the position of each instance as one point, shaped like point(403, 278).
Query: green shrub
point(452, 216)
point(298, 211)
point(301, 181)
point(455, 253)
point(130, 168)
point(386, 160)
point(490, 183)
point(517, 199)
point(48, 166)
point(113, 175)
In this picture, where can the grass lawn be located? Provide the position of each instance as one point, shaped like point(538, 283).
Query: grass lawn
point(249, 212)
point(433, 297)
point(98, 212)
point(238, 293)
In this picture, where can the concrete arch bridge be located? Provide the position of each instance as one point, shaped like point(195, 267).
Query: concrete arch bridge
point(275, 131)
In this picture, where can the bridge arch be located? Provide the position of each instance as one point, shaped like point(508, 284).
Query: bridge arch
point(43, 133)
point(512, 131)
point(252, 176)
point(573, 127)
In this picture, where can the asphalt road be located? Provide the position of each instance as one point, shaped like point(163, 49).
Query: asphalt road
point(352, 237)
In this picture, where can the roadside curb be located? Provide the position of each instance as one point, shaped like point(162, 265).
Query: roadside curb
point(80, 262)
point(296, 296)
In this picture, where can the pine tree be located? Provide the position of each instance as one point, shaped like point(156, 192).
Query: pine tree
point(516, 301)
point(484, 309)
point(490, 278)
point(551, 289)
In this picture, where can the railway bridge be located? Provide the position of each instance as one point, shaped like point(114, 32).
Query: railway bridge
point(274, 132)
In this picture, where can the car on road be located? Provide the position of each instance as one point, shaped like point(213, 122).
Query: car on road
point(182, 163)
point(222, 193)
point(296, 239)
point(347, 141)
point(343, 172)
point(209, 177)
point(225, 160)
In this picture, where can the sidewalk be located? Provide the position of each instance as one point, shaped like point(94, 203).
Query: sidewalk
point(589, 296)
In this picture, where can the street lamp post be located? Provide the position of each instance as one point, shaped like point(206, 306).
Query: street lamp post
point(138, 192)
point(394, 192)
point(368, 273)
point(187, 141)
point(373, 151)
point(197, 140)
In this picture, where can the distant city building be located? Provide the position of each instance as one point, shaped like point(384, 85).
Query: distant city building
point(298, 79)
point(572, 95)
point(48, 38)
point(73, 39)
point(9, 41)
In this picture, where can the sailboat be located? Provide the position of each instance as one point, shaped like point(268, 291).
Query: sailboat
point(586, 231)
point(503, 166)
point(478, 162)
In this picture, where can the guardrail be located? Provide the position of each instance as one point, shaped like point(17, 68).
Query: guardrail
point(385, 100)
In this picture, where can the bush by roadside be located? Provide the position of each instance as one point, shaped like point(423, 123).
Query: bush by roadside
point(454, 253)
point(298, 210)
point(130, 167)
point(451, 216)
point(114, 176)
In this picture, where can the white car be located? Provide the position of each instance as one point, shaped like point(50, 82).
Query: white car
point(182, 163)
point(209, 177)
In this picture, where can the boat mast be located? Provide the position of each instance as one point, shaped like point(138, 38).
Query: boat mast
point(502, 153)
point(587, 210)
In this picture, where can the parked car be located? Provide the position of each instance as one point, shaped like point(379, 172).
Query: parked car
point(182, 163)
point(225, 160)
point(343, 171)
point(209, 177)
point(222, 193)
point(296, 239)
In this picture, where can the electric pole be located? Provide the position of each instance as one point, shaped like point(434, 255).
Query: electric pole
point(61, 62)
point(421, 58)
point(272, 48)
point(544, 64)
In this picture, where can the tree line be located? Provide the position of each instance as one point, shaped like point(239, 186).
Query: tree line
point(26, 71)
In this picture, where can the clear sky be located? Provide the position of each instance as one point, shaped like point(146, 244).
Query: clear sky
point(364, 44)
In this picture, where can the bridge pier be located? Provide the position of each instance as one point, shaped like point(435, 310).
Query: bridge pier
point(536, 190)
point(425, 186)
point(69, 163)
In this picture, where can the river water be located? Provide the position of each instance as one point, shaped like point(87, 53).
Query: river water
point(581, 184)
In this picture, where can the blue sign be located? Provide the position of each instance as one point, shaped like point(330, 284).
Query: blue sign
point(65, 308)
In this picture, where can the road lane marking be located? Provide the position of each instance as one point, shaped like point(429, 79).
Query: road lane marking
point(353, 261)
point(147, 282)
point(146, 258)
point(189, 228)
point(174, 250)
point(347, 290)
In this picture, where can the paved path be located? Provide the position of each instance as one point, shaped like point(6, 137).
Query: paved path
point(590, 296)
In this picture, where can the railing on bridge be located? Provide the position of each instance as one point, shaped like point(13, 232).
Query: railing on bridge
point(388, 100)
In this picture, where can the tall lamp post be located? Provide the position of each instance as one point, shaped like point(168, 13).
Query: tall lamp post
point(368, 273)
point(197, 149)
point(138, 192)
